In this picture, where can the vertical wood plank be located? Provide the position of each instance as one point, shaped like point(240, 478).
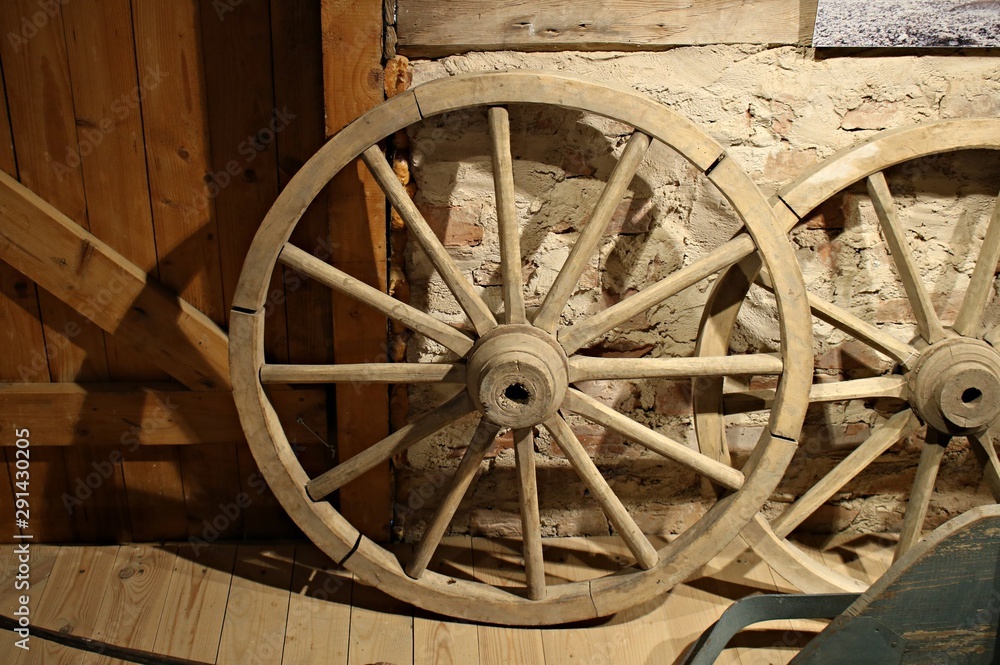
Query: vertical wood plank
point(79, 578)
point(106, 90)
point(245, 124)
point(21, 334)
point(298, 85)
point(195, 607)
point(45, 138)
point(319, 611)
point(134, 600)
point(178, 157)
point(297, 55)
point(352, 70)
point(257, 611)
point(37, 80)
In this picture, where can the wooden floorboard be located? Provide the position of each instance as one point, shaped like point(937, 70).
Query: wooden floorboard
point(42, 559)
point(134, 599)
point(289, 604)
point(319, 610)
point(495, 563)
point(79, 578)
point(257, 611)
point(381, 626)
point(590, 644)
point(195, 608)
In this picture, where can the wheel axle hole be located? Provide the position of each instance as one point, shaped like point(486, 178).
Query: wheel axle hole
point(972, 395)
point(517, 393)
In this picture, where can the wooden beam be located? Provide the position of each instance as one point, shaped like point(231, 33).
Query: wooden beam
point(144, 414)
point(98, 282)
point(352, 72)
point(427, 29)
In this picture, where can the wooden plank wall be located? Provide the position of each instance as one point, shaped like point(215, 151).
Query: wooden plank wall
point(424, 30)
point(353, 84)
point(166, 130)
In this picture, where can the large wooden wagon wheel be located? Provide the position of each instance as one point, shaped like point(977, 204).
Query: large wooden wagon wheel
point(945, 383)
point(516, 371)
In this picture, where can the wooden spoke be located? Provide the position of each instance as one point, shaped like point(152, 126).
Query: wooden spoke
point(590, 237)
point(531, 524)
point(970, 316)
point(364, 373)
point(341, 282)
point(510, 232)
point(923, 488)
point(928, 323)
point(625, 526)
point(584, 368)
point(591, 409)
point(428, 424)
point(482, 441)
point(840, 318)
point(899, 426)
point(880, 386)
point(984, 443)
point(574, 337)
point(480, 315)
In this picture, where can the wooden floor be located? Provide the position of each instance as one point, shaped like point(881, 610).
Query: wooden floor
point(271, 604)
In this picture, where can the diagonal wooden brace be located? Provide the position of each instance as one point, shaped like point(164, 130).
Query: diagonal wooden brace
point(86, 274)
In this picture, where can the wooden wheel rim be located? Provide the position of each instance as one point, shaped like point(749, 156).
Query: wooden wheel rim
point(563, 602)
point(792, 204)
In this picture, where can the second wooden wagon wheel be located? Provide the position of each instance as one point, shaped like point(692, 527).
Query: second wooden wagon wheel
point(944, 383)
point(516, 369)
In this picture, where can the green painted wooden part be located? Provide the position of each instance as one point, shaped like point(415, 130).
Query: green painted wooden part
point(942, 598)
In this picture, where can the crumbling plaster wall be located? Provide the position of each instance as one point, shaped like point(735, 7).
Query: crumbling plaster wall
point(777, 111)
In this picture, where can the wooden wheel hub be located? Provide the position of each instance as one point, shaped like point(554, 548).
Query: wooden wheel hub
point(956, 385)
point(517, 376)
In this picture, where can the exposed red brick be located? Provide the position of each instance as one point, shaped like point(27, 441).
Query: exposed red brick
point(455, 226)
point(786, 163)
point(853, 354)
point(673, 398)
point(576, 162)
point(596, 441)
point(631, 217)
point(830, 214)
